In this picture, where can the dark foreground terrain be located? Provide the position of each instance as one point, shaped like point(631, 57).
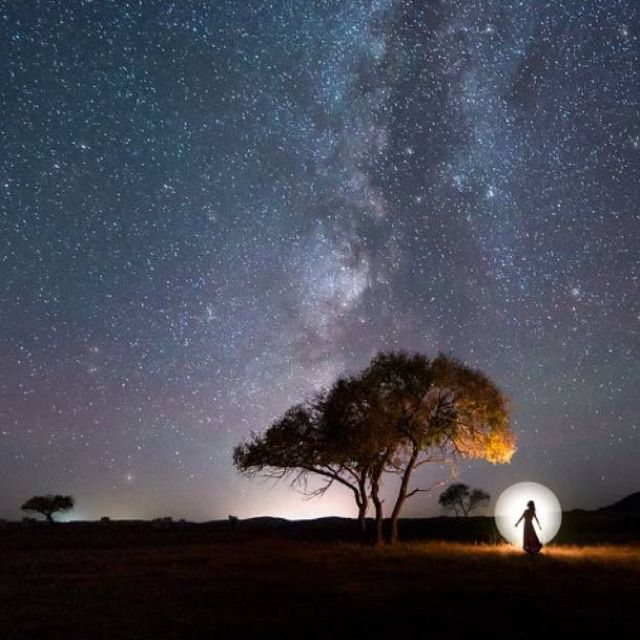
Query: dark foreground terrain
point(268, 580)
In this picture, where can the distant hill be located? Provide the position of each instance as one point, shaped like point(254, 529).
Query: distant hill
point(267, 522)
point(630, 504)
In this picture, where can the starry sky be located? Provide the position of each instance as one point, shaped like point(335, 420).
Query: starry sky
point(210, 210)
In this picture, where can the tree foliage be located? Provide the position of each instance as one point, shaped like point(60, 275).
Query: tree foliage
point(48, 505)
point(322, 436)
point(459, 499)
point(401, 412)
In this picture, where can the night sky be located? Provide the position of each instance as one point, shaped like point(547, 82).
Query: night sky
point(211, 209)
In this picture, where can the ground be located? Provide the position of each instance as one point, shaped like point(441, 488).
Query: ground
point(166, 584)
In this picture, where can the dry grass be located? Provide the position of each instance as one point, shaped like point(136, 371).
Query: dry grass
point(605, 553)
point(269, 587)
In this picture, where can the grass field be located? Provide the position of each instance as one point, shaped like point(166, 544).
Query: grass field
point(265, 586)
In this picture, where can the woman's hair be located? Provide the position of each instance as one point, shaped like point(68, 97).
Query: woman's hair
point(531, 504)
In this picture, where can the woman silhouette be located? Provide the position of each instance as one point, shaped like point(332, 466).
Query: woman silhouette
point(530, 543)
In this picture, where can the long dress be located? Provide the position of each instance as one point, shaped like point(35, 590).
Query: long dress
point(531, 543)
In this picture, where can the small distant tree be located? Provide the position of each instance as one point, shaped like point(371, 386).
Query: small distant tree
point(459, 499)
point(48, 505)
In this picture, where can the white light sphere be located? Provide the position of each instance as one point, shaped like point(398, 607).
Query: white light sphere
point(513, 501)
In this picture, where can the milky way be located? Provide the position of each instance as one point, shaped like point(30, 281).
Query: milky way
point(212, 209)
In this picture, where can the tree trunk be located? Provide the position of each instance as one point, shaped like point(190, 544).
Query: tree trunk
point(379, 537)
point(402, 496)
point(362, 518)
point(375, 497)
point(49, 517)
point(363, 504)
point(393, 529)
point(376, 473)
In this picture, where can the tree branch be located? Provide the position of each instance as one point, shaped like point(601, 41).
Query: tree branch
point(431, 488)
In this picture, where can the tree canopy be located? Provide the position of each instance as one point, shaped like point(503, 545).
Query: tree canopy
point(401, 412)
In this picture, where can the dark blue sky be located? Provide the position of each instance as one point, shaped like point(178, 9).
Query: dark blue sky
point(211, 209)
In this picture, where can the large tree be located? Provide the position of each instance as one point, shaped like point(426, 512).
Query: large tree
point(321, 437)
point(48, 505)
point(401, 412)
point(435, 411)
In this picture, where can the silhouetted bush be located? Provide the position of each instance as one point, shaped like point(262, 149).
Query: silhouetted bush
point(162, 523)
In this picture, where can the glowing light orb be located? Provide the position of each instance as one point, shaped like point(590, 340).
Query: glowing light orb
point(513, 501)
